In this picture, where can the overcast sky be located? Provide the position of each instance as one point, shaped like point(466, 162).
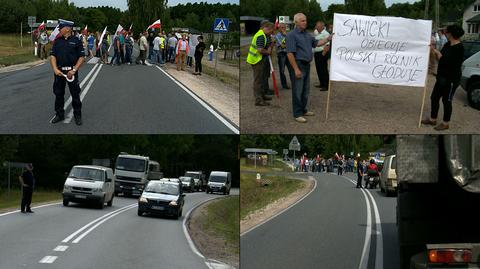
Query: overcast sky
point(122, 4)
point(326, 3)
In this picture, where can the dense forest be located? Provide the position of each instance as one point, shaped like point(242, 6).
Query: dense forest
point(140, 13)
point(327, 145)
point(54, 155)
point(450, 10)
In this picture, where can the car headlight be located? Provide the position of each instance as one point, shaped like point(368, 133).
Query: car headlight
point(143, 199)
point(97, 190)
point(173, 203)
point(67, 188)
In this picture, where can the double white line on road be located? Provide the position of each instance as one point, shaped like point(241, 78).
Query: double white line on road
point(90, 226)
point(98, 222)
point(369, 231)
point(95, 70)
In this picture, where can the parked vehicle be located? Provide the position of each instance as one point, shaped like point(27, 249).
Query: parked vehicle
point(470, 48)
point(470, 79)
point(199, 178)
point(89, 184)
point(133, 172)
point(438, 194)
point(188, 183)
point(388, 178)
point(219, 181)
point(162, 197)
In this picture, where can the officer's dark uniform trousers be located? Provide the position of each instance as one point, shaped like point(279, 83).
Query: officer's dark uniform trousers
point(59, 84)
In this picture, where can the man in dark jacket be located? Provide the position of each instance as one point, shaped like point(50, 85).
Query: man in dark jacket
point(27, 180)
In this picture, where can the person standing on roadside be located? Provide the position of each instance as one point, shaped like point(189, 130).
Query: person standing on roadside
point(257, 57)
point(300, 55)
point(449, 73)
point(143, 45)
point(43, 45)
point(281, 45)
point(199, 49)
point(321, 59)
point(27, 180)
point(359, 173)
point(182, 52)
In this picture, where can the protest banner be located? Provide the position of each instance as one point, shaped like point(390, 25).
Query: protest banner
point(381, 50)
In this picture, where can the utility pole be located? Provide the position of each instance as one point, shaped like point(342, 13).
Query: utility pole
point(21, 34)
point(436, 21)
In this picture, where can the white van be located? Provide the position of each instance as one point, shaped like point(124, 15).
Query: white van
point(470, 80)
point(89, 184)
point(219, 181)
point(388, 177)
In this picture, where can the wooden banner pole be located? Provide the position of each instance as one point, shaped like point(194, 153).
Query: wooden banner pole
point(424, 94)
point(328, 98)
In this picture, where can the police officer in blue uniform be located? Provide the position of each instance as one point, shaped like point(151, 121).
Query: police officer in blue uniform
point(67, 58)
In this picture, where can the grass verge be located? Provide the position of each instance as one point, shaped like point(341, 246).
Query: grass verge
point(278, 166)
point(12, 53)
point(254, 196)
point(223, 218)
point(13, 199)
point(224, 77)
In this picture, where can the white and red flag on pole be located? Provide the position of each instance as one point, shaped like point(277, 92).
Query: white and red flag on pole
point(101, 38)
point(42, 26)
point(157, 24)
point(85, 30)
point(276, 23)
point(55, 34)
point(130, 29)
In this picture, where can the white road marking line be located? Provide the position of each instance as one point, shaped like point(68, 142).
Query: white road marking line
point(203, 103)
point(60, 248)
point(100, 222)
point(378, 230)
point(69, 117)
point(48, 259)
point(69, 100)
point(16, 211)
point(92, 222)
point(378, 226)
point(281, 212)
point(187, 235)
point(368, 235)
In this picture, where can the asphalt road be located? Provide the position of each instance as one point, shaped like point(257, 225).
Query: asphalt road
point(116, 99)
point(331, 228)
point(123, 240)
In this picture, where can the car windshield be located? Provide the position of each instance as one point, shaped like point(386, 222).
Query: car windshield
point(217, 179)
point(192, 175)
point(162, 188)
point(129, 164)
point(185, 179)
point(87, 173)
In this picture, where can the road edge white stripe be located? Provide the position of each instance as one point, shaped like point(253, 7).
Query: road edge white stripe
point(68, 119)
point(80, 237)
point(221, 118)
point(284, 210)
point(35, 207)
point(69, 100)
point(91, 223)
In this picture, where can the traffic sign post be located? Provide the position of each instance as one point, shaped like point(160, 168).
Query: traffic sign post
point(295, 146)
point(220, 26)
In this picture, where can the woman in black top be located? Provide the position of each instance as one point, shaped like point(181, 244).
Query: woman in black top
point(198, 56)
point(448, 76)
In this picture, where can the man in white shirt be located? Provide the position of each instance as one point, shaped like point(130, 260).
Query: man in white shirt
point(143, 44)
point(156, 49)
point(210, 53)
point(321, 58)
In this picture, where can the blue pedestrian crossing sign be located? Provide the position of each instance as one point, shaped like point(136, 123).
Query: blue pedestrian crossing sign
point(221, 25)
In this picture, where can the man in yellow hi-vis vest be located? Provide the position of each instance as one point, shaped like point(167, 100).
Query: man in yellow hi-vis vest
point(257, 55)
